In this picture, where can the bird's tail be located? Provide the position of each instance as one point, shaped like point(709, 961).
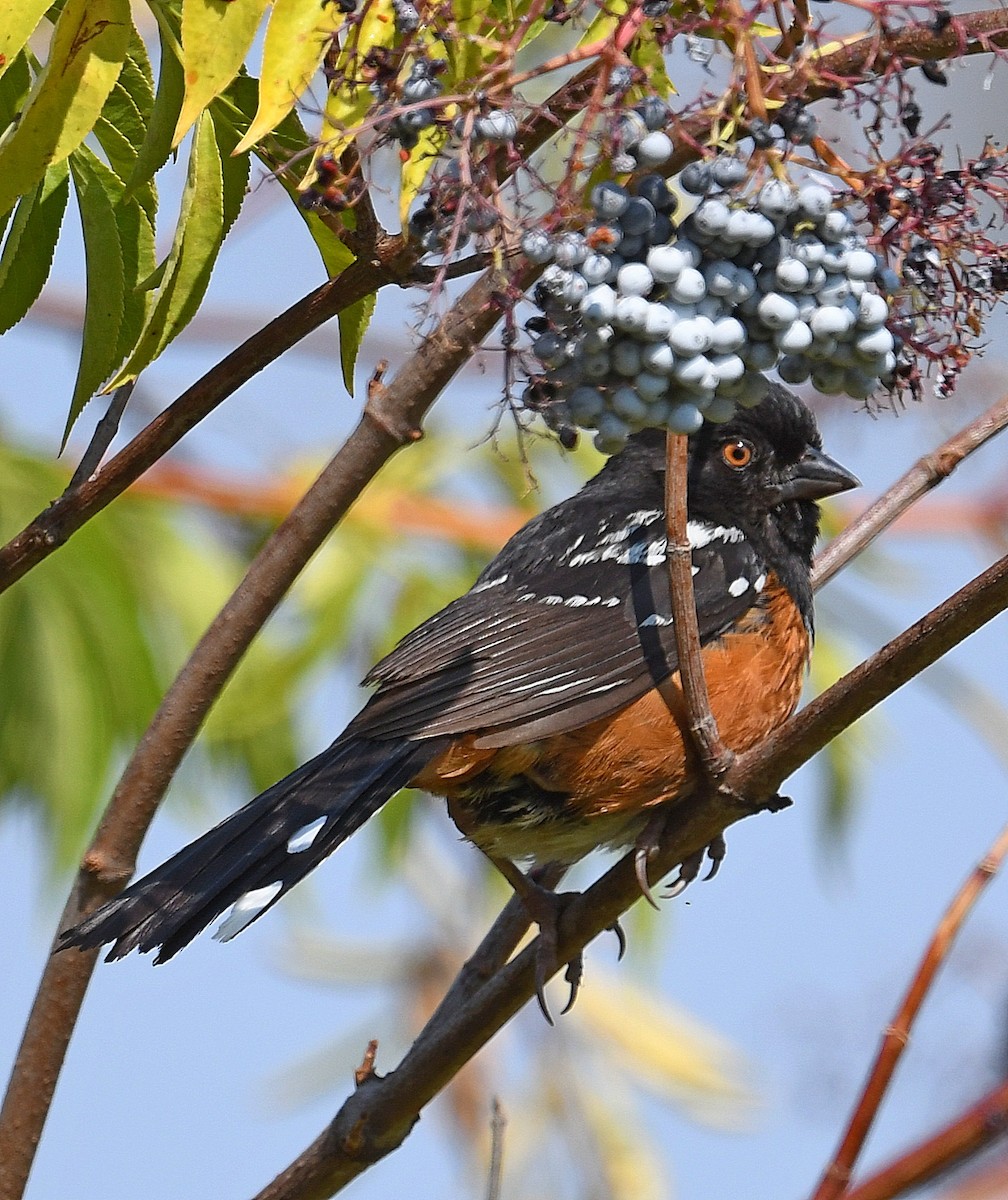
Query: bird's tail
point(258, 853)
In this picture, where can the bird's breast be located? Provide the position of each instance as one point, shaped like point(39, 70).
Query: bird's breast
point(561, 797)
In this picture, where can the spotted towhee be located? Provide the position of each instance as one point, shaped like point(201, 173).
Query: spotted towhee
point(530, 702)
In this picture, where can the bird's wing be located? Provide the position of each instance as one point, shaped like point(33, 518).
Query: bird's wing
point(555, 643)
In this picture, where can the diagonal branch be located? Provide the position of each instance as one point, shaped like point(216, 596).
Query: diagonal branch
point(391, 417)
point(382, 1111)
point(836, 1178)
point(924, 475)
point(978, 1127)
point(66, 515)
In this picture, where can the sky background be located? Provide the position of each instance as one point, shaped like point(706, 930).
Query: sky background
point(797, 954)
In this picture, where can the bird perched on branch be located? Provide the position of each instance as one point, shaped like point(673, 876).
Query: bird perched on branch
point(530, 703)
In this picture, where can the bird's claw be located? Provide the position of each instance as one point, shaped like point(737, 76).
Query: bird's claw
point(617, 928)
point(546, 907)
point(689, 869)
point(645, 848)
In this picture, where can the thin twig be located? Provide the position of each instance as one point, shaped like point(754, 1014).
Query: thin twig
point(498, 1123)
point(836, 1178)
point(703, 729)
point(101, 439)
point(378, 1117)
point(929, 471)
point(391, 418)
point(978, 1127)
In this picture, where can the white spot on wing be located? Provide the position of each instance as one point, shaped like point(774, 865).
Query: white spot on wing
point(654, 619)
point(305, 836)
point(490, 583)
point(613, 546)
point(738, 586)
point(245, 910)
point(701, 533)
point(760, 583)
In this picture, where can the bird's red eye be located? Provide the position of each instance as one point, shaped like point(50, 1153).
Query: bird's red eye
point(737, 454)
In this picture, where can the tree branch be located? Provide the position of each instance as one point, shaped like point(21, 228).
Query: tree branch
point(702, 726)
point(391, 417)
point(836, 1178)
point(929, 471)
point(65, 516)
point(981, 1125)
point(382, 1111)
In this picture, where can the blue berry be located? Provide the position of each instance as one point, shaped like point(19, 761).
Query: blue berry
point(638, 216)
point(696, 178)
point(609, 200)
point(537, 246)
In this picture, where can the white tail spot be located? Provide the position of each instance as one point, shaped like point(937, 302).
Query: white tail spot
point(305, 836)
point(245, 910)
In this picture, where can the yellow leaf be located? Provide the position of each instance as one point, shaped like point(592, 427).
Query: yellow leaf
point(666, 1049)
point(347, 105)
point(418, 166)
point(85, 58)
point(18, 19)
point(298, 33)
point(216, 36)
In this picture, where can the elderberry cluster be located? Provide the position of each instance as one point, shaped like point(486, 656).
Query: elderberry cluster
point(650, 321)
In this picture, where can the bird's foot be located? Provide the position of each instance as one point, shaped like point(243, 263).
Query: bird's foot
point(646, 847)
point(546, 908)
point(689, 869)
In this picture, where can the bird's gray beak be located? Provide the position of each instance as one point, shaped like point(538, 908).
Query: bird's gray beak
point(814, 476)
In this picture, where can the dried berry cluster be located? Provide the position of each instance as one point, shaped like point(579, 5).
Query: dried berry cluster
point(938, 226)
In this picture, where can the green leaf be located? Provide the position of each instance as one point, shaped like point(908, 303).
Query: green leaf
point(235, 108)
point(120, 131)
point(75, 654)
point(18, 21)
point(28, 251)
point(98, 190)
point(353, 324)
point(157, 143)
point(15, 84)
point(194, 251)
point(137, 78)
point(297, 36)
point(136, 240)
point(336, 255)
point(216, 37)
point(234, 171)
point(88, 48)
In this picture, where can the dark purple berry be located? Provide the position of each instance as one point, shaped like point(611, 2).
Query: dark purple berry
point(911, 115)
point(655, 189)
point(696, 178)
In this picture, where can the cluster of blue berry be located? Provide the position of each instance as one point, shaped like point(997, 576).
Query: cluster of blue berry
point(650, 321)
